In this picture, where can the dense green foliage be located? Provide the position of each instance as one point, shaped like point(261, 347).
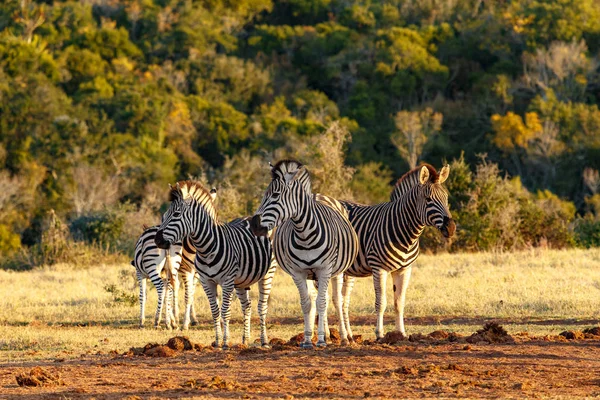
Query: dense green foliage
point(102, 103)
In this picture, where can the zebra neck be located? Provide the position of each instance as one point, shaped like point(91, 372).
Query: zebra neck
point(305, 218)
point(207, 234)
point(408, 219)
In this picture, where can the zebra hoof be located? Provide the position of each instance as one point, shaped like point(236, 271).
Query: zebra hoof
point(185, 328)
point(225, 347)
point(306, 346)
point(266, 346)
point(345, 342)
point(195, 323)
point(321, 344)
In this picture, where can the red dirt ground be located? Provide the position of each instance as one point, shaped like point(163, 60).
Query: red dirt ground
point(434, 365)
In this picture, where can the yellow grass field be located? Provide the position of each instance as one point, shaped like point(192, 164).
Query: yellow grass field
point(63, 311)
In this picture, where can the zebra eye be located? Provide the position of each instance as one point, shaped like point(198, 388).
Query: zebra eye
point(275, 195)
point(176, 214)
point(428, 198)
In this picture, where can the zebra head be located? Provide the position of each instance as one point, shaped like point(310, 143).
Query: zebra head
point(434, 200)
point(179, 220)
point(289, 185)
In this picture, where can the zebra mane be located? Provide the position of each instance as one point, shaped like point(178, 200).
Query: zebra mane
point(185, 190)
point(411, 178)
point(284, 167)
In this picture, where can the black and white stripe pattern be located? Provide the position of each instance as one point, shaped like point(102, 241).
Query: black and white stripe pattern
point(149, 263)
point(227, 254)
point(389, 234)
point(312, 242)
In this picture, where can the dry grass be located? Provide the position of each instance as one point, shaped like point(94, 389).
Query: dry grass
point(62, 312)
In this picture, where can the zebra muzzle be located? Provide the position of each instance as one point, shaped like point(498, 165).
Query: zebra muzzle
point(448, 228)
point(257, 228)
point(160, 241)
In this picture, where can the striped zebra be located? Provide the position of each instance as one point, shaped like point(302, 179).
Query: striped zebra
point(389, 234)
point(149, 262)
point(312, 242)
point(227, 254)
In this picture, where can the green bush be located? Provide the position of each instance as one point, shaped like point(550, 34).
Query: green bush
point(587, 231)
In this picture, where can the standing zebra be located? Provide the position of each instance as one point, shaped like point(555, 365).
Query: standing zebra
point(149, 263)
point(389, 234)
point(312, 242)
point(226, 254)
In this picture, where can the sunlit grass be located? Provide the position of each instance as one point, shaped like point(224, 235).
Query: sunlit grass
point(61, 310)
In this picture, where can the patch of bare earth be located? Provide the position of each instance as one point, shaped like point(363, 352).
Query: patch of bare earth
point(439, 364)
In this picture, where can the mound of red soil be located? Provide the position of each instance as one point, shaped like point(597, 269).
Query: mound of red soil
point(439, 335)
point(180, 343)
point(299, 338)
point(492, 332)
point(334, 335)
point(595, 331)
point(393, 337)
point(158, 350)
point(277, 342)
point(38, 376)
point(358, 339)
point(573, 335)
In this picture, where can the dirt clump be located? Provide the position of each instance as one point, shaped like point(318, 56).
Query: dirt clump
point(439, 335)
point(572, 335)
point(358, 339)
point(277, 342)
point(492, 332)
point(595, 331)
point(299, 338)
point(393, 337)
point(38, 376)
point(180, 343)
point(253, 350)
point(158, 350)
point(420, 338)
point(334, 335)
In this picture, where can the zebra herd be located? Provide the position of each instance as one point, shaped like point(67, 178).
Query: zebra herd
point(312, 237)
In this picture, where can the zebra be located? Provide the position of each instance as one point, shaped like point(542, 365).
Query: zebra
point(227, 254)
point(389, 237)
point(312, 242)
point(149, 262)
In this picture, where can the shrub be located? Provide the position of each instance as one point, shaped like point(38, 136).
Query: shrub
point(587, 231)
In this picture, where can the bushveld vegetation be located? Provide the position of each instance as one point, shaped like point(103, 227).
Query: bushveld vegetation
point(104, 102)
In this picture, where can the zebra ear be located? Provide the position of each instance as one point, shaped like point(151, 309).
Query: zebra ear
point(270, 165)
point(213, 193)
point(444, 174)
point(423, 175)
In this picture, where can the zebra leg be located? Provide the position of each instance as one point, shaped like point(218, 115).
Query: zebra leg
point(142, 283)
point(192, 301)
point(176, 300)
point(169, 316)
point(308, 310)
point(346, 292)
point(379, 281)
point(188, 282)
point(264, 290)
point(227, 294)
point(401, 278)
point(210, 288)
point(160, 291)
point(243, 295)
point(322, 300)
point(337, 284)
point(313, 289)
